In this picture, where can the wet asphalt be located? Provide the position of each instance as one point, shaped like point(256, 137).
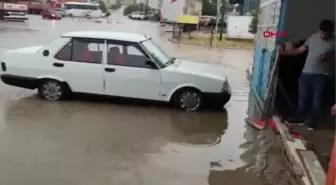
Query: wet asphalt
point(98, 141)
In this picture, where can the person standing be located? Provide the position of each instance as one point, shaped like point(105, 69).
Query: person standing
point(318, 69)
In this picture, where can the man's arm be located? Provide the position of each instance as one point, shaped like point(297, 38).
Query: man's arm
point(297, 51)
point(293, 52)
point(329, 56)
point(333, 110)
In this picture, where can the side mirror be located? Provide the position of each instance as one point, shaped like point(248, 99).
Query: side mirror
point(151, 64)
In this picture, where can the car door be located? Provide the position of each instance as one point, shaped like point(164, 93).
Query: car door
point(128, 72)
point(80, 64)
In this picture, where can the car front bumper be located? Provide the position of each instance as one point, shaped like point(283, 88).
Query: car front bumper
point(216, 99)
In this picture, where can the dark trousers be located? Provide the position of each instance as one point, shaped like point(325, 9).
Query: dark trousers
point(312, 91)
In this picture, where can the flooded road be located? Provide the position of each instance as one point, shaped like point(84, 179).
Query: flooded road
point(104, 142)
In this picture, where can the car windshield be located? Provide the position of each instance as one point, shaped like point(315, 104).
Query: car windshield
point(157, 53)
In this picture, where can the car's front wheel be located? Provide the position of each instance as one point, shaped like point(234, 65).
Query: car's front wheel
point(52, 90)
point(188, 99)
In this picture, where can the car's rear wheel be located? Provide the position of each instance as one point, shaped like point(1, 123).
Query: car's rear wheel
point(52, 90)
point(188, 99)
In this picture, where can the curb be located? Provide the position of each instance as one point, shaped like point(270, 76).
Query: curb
point(207, 47)
point(302, 161)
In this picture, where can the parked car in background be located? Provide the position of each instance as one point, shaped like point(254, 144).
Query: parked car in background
point(60, 11)
point(50, 14)
point(95, 14)
point(138, 16)
point(132, 66)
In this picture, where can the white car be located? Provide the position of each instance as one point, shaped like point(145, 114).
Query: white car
point(137, 15)
point(94, 14)
point(114, 64)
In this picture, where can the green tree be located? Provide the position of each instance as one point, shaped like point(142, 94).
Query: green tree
point(209, 7)
point(254, 22)
point(136, 7)
point(117, 5)
point(102, 6)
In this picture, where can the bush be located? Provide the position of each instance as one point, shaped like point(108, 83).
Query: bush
point(102, 6)
point(136, 7)
point(116, 6)
point(254, 23)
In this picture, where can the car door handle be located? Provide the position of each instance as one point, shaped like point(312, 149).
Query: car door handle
point(110, 70)
point(58, 64)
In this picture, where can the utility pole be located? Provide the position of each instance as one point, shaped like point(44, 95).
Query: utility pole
point(222, 20)
point(217, 16)
point(241, 11)
point(241, 6)
point(145, 8)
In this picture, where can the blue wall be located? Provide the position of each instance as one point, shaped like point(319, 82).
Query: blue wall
point(260, 72)
point(262, 59)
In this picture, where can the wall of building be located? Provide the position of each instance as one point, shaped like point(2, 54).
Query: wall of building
point(303, 16)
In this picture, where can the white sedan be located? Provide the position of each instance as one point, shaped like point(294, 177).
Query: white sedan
point(114, 64)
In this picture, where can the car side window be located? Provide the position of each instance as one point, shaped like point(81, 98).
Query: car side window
point(115, 54)
point(126, 54)
point(87, 50)
point(65, 52)
point(82, 50)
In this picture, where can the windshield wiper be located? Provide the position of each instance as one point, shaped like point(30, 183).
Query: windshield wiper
point(170, 61)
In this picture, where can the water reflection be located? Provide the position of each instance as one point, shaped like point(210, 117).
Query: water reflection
point(187, 128)
point(202, 129)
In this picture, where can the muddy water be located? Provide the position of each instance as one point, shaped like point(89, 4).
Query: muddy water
point(106, 142)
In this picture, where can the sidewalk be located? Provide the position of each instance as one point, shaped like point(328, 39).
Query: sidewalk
point(302, 160)
point(321, 140)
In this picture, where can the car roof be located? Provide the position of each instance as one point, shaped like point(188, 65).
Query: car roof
point(122, 36)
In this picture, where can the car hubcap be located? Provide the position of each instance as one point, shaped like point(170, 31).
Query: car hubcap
point(51, 90)
point(190, 101)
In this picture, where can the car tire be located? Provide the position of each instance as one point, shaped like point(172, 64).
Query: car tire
point(53, 90)
point(188, 99)
point(88, 16)
point(70, 15)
